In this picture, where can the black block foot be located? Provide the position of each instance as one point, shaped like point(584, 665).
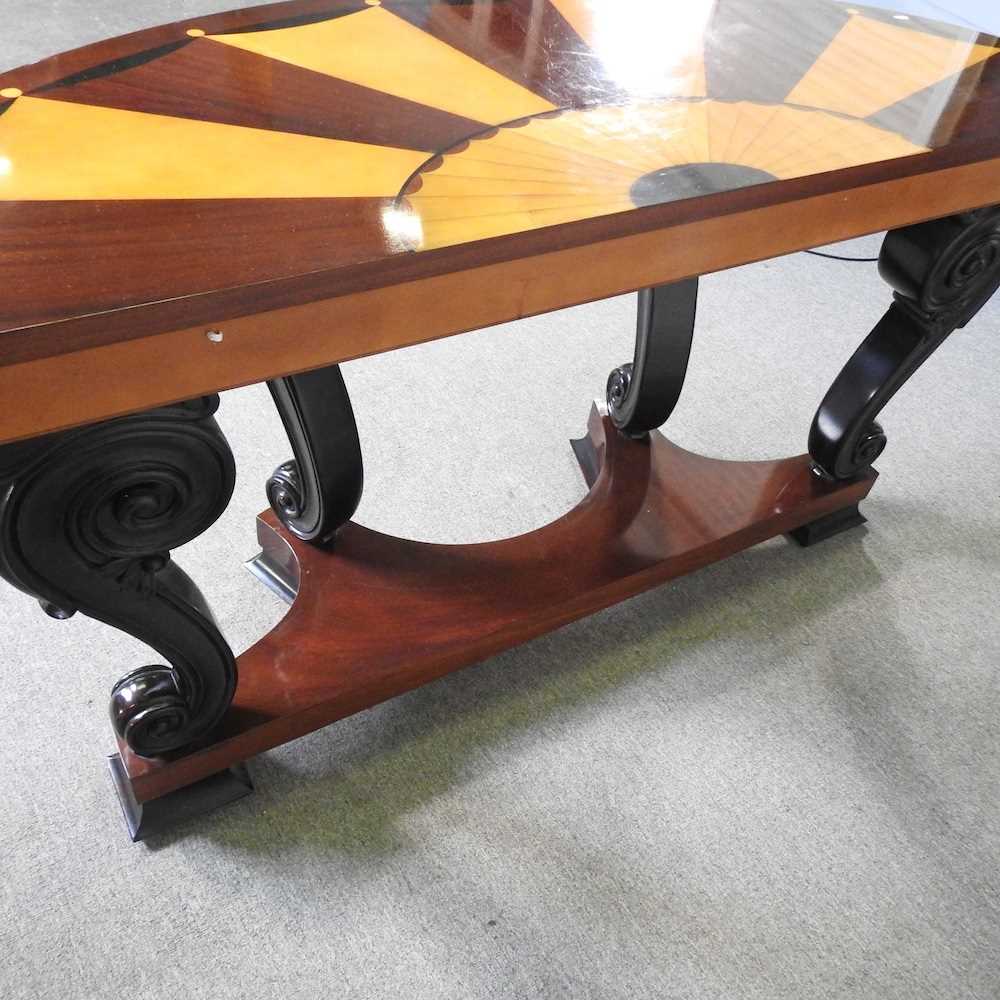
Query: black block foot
point(826, 527)
point(590, 462)
point(147, 818)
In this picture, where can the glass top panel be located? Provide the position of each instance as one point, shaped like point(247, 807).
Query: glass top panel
point(376, 129)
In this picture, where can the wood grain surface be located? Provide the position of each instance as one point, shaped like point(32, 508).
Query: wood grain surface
point(376, 616)
point(280, 171)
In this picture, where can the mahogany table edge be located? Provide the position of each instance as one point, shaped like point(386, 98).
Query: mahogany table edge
point(184, 362)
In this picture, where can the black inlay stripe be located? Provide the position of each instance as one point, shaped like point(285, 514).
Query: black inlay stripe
point(130, 62)
point(294, 22)
point(116, 65)
point(212, 82)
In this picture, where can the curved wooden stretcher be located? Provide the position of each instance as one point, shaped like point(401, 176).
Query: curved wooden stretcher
point(265, 194)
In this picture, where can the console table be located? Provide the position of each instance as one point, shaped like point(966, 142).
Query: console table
point(264, 194)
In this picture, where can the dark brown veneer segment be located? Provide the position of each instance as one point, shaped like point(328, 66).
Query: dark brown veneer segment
point(96, 256)
point(209, 81)
point(562, 69)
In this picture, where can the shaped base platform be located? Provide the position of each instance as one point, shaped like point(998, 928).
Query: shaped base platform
point(376, 616)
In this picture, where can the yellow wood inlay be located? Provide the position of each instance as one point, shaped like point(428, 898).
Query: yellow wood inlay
point(376, 49)
point(796, 142)
point(613, 134)
point(437, 208)
point(470, 198)
point(439, 183)
point(870, 65)
point(463, 165)
point(642, 137)
point(453, 231)
point(516, 141)
point(589, 167)
point(62, 151)
point(738, 126)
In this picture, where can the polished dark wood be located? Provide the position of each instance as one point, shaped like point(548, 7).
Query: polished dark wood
point(194, 245)
point(643, 394)
point(375, 616)
point(188, 82)
point(942, 273)
point(317, 492)
point(87, 522)
point(84, 275)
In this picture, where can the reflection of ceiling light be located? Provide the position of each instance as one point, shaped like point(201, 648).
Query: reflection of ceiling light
point(901, 17)
point(6, 167)
point(403, 228)
point(651, 49)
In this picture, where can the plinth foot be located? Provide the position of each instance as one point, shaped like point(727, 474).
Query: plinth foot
point(146, 818)
point(826, 527)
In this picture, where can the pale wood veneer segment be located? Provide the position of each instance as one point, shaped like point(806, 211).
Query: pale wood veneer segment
point(55, 150)
point(376, 49)
point(871, 64)
point(795, 142)
point(469, 199)
point(483, 206)
point(208, 82)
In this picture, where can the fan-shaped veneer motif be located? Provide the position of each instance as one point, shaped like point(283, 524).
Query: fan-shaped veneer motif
point(592, 162)
point(420, 124)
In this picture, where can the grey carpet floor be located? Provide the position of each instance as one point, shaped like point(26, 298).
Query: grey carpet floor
point(774, 779)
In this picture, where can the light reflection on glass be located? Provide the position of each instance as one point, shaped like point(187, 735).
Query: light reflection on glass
point(403, 228)
point(656, 48)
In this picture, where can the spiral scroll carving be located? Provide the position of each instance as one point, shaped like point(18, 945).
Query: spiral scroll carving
point(619, 382)
point(285, 492)
point(948, 269)
point(316, 493)
point(89, 522)
point(943, 272)
point(870, 445)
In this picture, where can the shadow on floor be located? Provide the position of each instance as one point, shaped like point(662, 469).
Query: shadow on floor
point(344, 788)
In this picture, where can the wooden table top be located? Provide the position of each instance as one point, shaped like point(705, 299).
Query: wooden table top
point(324, 179)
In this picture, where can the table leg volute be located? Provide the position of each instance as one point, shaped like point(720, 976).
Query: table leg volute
point(942, 273)
point(642, 395)
point(88, 519)
point(317, 492)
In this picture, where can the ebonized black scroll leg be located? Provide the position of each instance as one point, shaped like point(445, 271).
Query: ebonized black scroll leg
point(87, 521)
point(642, 395)
point(317, 493)
point(942, 273)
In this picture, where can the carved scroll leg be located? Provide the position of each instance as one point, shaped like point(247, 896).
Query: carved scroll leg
point(87, 521)
point(318, 492)
point(643, 395)
point(943, 272)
